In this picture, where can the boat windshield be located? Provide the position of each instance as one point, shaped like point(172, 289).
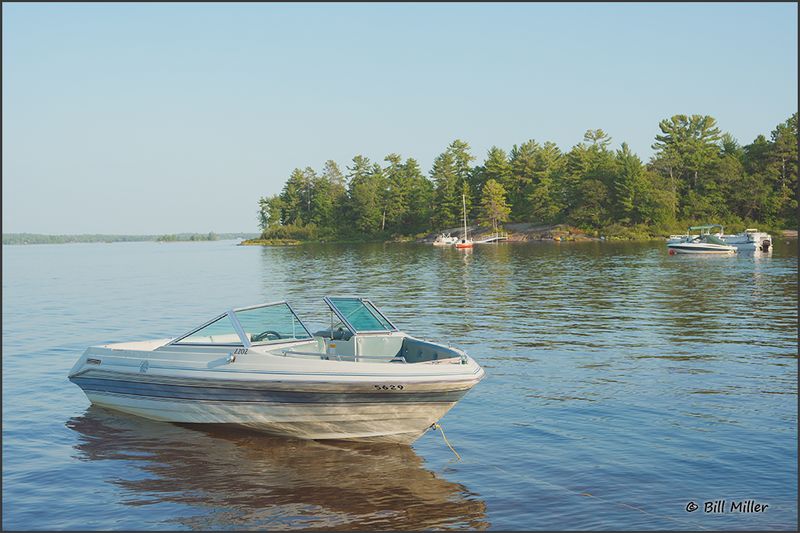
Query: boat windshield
point(218, 331)
point(359, 315)
point(257, 325)
point(264, 325)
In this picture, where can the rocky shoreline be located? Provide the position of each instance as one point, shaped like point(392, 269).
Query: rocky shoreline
point(521, 232)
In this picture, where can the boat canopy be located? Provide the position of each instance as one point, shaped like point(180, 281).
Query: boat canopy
point(249, 326)
point(713, 239)
point(707, 226)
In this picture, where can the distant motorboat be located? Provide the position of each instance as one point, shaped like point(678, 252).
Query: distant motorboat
point(750, 240)
point(445, 239)
point(465, 241)
point(703, 243)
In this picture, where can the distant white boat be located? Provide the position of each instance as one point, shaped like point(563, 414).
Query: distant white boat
point(445, 239)
point(703, 243)
point(750, 240)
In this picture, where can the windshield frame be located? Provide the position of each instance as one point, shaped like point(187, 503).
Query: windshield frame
point(371, 308)
point(237, 326)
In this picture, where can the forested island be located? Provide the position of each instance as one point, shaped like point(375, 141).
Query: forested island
point(38, 238)
point(697, 174)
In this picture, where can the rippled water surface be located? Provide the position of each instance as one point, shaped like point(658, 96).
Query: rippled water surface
point(621, 384)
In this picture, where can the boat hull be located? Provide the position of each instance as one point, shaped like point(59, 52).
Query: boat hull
point(397, 423)
point(319, 411)
point(750, 242)
point(688, 248)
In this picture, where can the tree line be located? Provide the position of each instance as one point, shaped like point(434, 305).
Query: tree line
point(697, 174)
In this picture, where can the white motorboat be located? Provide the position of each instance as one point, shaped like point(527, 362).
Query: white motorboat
point(445, 239)
point(260, 367)
point(750, 240)
point(703, 243)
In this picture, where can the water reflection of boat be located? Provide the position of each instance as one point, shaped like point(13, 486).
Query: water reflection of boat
point(247, 480)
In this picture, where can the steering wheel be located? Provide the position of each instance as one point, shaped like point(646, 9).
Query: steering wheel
point(268, 335)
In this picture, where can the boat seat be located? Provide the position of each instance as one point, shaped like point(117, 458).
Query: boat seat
point(417, 351)
point(340, 334)
point(379, 346)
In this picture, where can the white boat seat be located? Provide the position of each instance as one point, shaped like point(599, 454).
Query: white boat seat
point(340, 334)
point(416, 351)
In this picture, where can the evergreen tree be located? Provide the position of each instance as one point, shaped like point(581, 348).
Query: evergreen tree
point(541, 194)
point(293, 200)
point(462, 168)
point(784, 167)
point(496, 167)
point(447, 201)
point(494, 209)
point(420, 198)
point(523, 169)
point(689, 146)
point(309, 179)
point(269, 212)
point(591, 169)
point(365, 196)
point(396, 193)
point(627, 185)
point(597, 138)
point(334, 217)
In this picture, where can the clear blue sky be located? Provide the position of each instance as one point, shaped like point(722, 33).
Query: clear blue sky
point(176, 117)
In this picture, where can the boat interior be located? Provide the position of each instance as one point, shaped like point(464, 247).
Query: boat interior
point(358, 332)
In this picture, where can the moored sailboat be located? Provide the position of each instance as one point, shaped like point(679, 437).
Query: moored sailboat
point(465, 241)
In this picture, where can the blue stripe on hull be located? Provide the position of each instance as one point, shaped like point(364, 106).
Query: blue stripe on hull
point(159, 390)
point(700, 249)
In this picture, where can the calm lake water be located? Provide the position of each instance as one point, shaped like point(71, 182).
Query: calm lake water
point(621, 384)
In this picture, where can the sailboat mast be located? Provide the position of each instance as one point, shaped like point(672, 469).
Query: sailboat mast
point(464, 204)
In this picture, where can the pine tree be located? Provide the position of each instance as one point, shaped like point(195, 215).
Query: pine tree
point(420, 198)
point(396, 192)
point(494, 209)
point(626, 184)
point(366, 196)
point(462, 159)
point(523, 169)
point(447, 199)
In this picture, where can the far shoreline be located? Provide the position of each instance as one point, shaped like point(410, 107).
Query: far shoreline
point(14, 239)
point(531, 234)
point(525, 233)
